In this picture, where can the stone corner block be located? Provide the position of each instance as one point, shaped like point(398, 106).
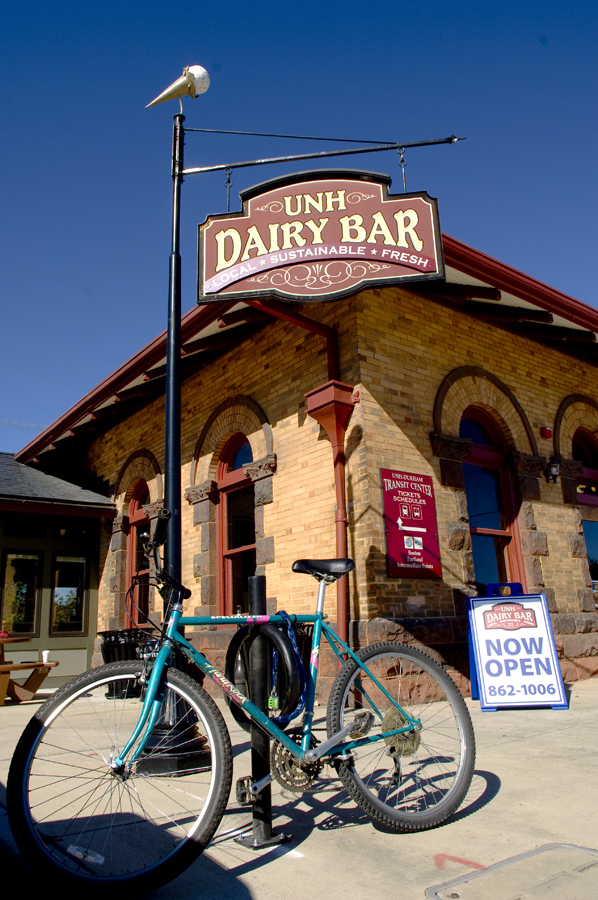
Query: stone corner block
point(586, 600)
point(459, 537)
point(451, 474)
point(577, 545)
point(264, 551)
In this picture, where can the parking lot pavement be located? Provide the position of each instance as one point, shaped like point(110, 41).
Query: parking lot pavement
point(535, 784)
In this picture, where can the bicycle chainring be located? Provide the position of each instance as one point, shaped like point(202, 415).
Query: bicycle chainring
point(289, 773)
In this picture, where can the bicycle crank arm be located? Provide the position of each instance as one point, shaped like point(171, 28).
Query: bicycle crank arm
point(258, 786)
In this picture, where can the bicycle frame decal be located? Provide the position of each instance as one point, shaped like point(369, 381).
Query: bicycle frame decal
point(227, 686)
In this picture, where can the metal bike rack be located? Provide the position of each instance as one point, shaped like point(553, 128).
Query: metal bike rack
point(258, 786)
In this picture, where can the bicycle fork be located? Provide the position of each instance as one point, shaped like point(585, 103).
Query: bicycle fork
point(152, 704)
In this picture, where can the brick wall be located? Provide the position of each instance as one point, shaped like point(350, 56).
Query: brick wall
point(397, 349)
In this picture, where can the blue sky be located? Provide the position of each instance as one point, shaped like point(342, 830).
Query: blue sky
point(85, 169)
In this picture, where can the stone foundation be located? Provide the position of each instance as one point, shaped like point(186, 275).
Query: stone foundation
point(444, 638)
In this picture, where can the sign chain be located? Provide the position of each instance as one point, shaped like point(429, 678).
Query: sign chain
point(228, 184)
point(403, 163)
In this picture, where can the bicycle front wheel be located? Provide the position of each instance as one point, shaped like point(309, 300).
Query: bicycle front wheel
point(74, 819)
point(415, 780)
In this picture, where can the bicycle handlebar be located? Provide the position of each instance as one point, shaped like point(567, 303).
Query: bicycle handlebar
point(159, 536)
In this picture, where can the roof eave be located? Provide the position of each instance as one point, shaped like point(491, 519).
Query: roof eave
point(477, 264)
point(197, 318)
point(457, 255)
point(54, 507)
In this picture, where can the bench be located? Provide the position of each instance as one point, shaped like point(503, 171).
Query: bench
point(27, 691)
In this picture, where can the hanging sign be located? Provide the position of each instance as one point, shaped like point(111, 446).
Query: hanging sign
point(319, 236)
point(412, 549)
point(516, 661)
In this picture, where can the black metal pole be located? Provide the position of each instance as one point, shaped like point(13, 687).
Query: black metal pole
point(172, 431)
point(261, 835)
point(260, 743)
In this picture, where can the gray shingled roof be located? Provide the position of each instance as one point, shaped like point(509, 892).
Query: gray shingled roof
point(20, 482)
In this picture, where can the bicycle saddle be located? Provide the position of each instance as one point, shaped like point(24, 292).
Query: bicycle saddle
point(324, 568)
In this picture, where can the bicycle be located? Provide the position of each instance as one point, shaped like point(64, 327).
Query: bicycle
point(122, 777)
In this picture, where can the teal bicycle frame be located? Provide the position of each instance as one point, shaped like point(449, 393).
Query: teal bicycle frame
point(154, 695)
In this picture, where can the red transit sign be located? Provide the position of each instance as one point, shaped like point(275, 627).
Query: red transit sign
point(412, 548)
point(318, 236)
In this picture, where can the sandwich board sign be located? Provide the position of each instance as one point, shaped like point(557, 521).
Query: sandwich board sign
point(513, 657)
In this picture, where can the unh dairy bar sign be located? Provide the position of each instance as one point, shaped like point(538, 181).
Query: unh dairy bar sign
point(317, 236)
point(412, 549)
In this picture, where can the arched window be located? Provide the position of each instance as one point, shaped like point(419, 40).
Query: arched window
point(490, 502)
point(137, 562)
point(235, 527)
point(585, 451)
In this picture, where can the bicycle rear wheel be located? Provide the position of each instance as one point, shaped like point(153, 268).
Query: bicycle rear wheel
point(74, 819)
point(414, 780)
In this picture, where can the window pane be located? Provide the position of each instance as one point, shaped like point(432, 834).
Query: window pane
point(19, 593)
point(471, 429)
point(590, 533)
point(488, 559)
point(68, 595)
point(482, 490)
point(242, 566)
point(241, 517)
point(141, 560)
point(585, 449)
point(242, 457)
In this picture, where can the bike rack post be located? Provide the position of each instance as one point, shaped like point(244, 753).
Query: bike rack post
point(261, 835)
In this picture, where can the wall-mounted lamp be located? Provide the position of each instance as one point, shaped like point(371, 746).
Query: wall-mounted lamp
point(552, 470)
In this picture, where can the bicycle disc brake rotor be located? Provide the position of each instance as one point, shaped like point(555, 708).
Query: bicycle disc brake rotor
point(289, 773)
point(399, 744)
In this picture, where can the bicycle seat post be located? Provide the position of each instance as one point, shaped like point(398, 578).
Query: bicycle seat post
point(321, 595)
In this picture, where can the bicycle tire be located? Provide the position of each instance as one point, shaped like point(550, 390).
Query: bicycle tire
point(77, 822)
point(412, 782)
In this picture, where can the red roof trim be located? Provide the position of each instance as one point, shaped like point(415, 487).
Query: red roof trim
point(498, 274)
point(197, 318)
point(457, 255)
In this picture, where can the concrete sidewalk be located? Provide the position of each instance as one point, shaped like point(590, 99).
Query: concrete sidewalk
point(535, 784)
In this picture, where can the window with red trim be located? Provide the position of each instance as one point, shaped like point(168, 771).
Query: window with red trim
point(137, 562)
point(235, 527)
point(490, 502)
point(585, 451)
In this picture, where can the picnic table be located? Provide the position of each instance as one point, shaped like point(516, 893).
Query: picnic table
point(10, 688)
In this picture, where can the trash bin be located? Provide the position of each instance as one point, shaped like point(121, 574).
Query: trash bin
point(121, 645)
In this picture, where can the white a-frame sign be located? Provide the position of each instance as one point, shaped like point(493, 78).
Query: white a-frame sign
point(512, 646)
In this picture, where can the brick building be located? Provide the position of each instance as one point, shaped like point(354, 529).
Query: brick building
point(476, 381)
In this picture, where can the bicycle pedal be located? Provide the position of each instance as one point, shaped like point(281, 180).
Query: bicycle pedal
point(362, 723)
point(243, 791)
